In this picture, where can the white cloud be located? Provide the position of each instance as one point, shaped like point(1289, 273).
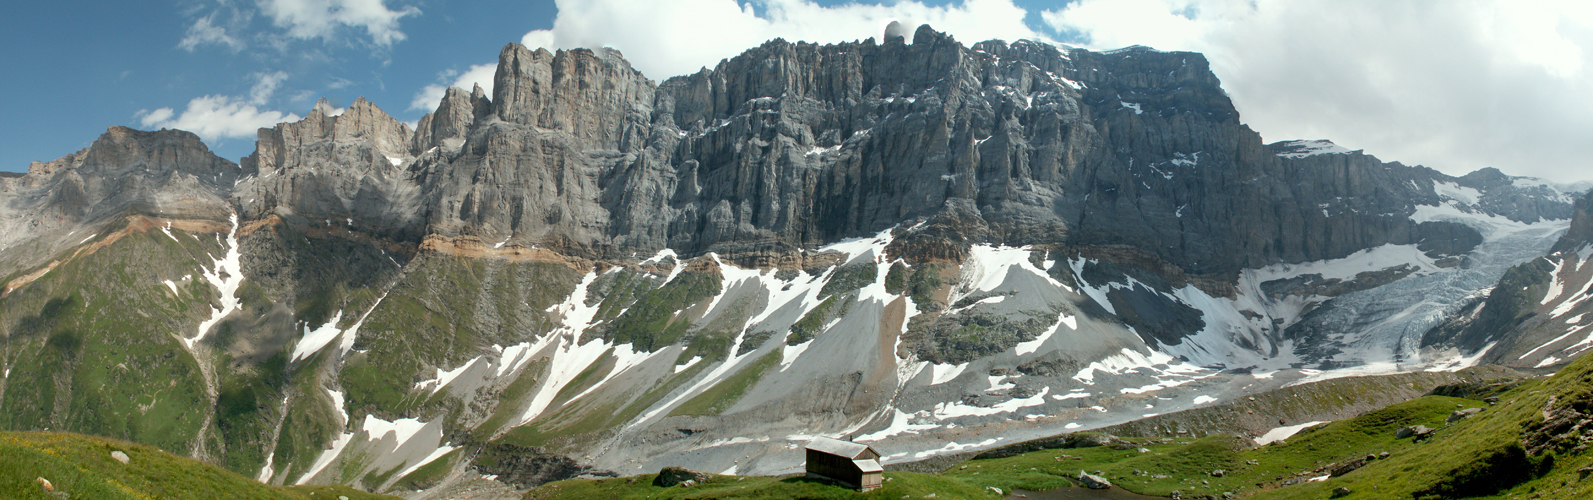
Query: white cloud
point(220, 117)
point(1453, 85)
point(431, 95)
point(266, 87)
point(217, 117)
point(307, 19)
point(204, 31)
point(665, 38)
point(156, 116)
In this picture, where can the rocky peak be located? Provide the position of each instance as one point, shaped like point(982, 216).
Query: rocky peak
point(593, 95)
point(1581, 231)
point(362, 123)
point(124, 150)
point(452, 120)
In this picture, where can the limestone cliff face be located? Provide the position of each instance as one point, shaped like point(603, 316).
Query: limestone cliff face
point(348, 169)
point(792, 145)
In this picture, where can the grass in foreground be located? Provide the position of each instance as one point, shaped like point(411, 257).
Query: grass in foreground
point(1189, 465)
point(1493, 454)
point(897, 484)
point(82, 467)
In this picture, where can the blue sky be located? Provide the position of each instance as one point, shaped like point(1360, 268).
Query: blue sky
point(100, 63)
point(1453, 85)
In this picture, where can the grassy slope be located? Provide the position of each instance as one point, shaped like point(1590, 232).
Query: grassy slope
point(1188, 464)
point(897, 485)
point(82, 467)
point(93, 346)
point(1480, 457)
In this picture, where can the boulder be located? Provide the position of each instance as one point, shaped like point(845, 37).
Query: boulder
point(1414, 430)
point(1219, 473)
point(1341, 492)
point(1348, 466)
point(1461, 414)
point(120, 457)
point(1093, 481)
point(671, 476)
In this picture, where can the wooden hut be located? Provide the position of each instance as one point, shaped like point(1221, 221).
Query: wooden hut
point(845, 462)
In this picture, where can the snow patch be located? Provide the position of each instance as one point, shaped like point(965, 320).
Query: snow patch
point(940, 374)
point(900, 424)
point(950, 409)
point(444, 377)
point(1030, 347)
point(226, 275)
point(1282, 433)
point(314, 340)
point(790, 353)
point(1457, 192)
point(1304, 148)
point(689, 363)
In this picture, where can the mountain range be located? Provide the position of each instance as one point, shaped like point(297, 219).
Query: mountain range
point(921, 245)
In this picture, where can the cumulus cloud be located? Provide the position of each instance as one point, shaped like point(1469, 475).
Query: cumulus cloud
point(309, 19)
point(431, 95)
point(664, 38)
point(204, 31)
point(219, 117)
point(1453, 85)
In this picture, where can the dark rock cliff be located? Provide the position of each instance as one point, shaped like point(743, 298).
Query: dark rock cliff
point(791, 145)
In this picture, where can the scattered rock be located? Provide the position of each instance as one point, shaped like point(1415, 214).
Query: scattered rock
point(1348, 466)
point(45, 483)
point(1176, 495)
point(1383, 455)
point(1341, 492)
point(1093, 482)
point(1219, 473)
point(1461, 414)
point(120, 457)
point(1144, 450)
point(1414, 430)
point(995, 489)
point(671, 476)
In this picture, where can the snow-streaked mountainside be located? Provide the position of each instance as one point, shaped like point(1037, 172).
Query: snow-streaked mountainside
point(926, 247)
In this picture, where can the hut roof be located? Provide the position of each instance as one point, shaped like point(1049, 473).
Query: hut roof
point(837, 447)
point(868, 465)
